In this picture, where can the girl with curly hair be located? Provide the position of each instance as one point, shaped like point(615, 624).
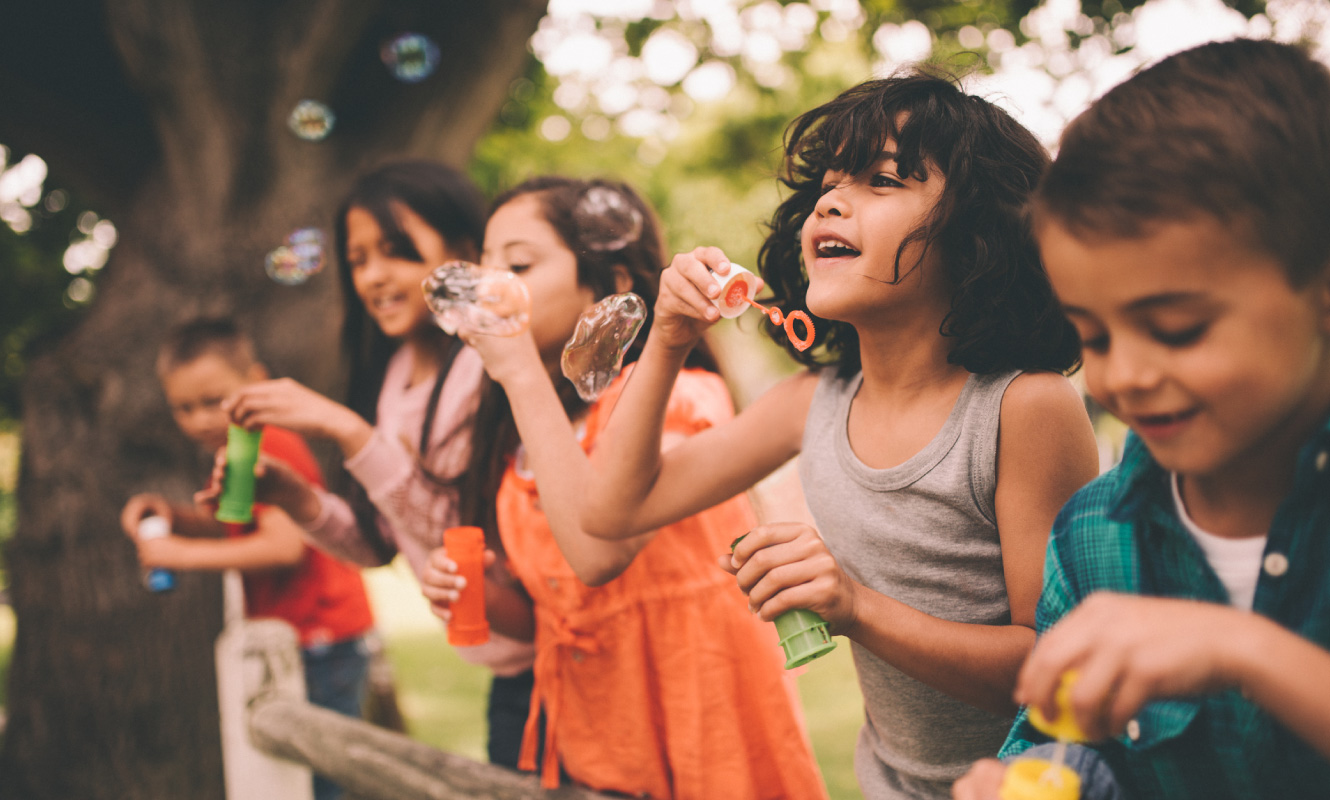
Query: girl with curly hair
point(937, 434)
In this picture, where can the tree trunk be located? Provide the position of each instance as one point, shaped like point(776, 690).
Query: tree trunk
point(170, 116)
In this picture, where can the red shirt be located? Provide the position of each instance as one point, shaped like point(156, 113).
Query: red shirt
point(323, 598)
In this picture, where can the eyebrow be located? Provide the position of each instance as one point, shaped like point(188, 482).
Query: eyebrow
point(1148, 303)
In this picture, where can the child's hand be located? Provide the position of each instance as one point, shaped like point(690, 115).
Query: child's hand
point(163, 551)
point(141, 506)
point(982, 782)
point(506, 357)
point(786, 565)
point(684, 309)
point(288, 404)
point(441, 584)
point(1129, 650)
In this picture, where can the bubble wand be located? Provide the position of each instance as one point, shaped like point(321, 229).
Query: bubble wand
point(737, 294)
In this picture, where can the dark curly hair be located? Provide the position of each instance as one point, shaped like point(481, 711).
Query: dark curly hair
point(1003, 312)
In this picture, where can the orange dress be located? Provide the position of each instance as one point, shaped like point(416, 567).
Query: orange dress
point(660, 683)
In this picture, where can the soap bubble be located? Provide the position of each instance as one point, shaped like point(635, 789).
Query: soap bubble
point(410, 57)
point(283, 266)
point(311, 120)
point(464, 296)
point(594, 356)
point(299, 259)
point(606, 219)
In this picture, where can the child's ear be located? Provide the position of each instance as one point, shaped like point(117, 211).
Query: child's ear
point(623, 282)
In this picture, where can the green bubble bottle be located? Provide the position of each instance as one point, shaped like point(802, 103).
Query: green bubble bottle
point(1036, 778)
point(803, 633)
point(236, 505)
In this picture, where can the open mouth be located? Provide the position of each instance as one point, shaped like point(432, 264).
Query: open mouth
point(388, 301)
point(833, 247)
point(1157, 424)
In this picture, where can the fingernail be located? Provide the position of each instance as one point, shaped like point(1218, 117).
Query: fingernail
point(461, 583)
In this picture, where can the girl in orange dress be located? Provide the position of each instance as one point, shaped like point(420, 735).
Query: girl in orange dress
point(652, 677)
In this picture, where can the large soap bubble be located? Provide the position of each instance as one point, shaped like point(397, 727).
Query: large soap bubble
point(606, 219)
point(311, 120)
point(299, 259)
point(411, 57)
point(467, 297)
point(594, 356)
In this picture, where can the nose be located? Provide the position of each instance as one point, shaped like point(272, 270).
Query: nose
point(371, 271)
point(1127, 370)
point(833, 202)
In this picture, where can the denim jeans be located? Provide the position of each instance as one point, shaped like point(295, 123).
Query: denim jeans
point(509, 705)
point(335, 678)
point(1097, 780)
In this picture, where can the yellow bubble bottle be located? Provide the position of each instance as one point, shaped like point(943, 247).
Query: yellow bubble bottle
point(1037, 778)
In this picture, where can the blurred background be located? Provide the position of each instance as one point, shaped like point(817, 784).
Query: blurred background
point(157, 155)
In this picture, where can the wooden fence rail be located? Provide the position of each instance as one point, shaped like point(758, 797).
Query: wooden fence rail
point(378, 764)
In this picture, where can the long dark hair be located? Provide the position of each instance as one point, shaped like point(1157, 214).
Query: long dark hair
point(1003, 312)
point(447, 201)
point(494, 433)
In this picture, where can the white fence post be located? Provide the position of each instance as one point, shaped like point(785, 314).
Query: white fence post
point(256, 660)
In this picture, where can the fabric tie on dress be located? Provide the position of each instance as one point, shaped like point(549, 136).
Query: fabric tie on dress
point(560, 639)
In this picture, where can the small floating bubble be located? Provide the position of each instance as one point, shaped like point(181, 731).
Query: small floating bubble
point(467, 297)
point(593, 357)
point(606, 219)
point(311, 120)
point(283, 266)
point(411, 57)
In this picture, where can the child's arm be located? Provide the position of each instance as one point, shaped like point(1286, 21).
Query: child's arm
point(185, 520)
point(276, 542)
point(1130, 649)
point(554, 455)
point(1045, 452)
point(507, 605)
point(288, 404)
point(633, 487)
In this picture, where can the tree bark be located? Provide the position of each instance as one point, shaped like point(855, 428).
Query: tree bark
point(170, 116)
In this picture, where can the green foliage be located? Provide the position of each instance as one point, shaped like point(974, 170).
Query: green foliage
point(34, 303)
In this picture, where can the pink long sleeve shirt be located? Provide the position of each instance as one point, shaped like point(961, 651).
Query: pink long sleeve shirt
point(413, 508)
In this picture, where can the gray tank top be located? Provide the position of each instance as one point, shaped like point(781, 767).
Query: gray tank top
point(924, 533)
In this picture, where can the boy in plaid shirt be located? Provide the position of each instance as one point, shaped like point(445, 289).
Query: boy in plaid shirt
point(1183, 228)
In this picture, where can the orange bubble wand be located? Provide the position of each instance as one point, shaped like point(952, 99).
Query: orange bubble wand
point(738, 293)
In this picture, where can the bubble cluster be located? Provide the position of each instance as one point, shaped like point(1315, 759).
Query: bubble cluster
point(467, 297)
point(299, 259)
point(411, 57)
point(606, 219)
point(311, 120)
point(593, 356)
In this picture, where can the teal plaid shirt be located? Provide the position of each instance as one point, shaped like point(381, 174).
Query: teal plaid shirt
point(1121, 534)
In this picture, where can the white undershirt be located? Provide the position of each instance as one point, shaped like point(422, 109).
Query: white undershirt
point(1237, 562)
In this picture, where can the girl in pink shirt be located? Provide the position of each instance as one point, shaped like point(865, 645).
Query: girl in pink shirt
point(405, 430)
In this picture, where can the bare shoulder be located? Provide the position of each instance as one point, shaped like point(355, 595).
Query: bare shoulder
point(1042, 398)
point(1044, 424)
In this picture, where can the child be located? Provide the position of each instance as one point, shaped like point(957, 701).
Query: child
point(200, 363)
point(413, 389)
point(936, 441)
point(652, 679)
point(1182, 225)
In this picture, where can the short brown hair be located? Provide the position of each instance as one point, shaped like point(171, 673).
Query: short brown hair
point(1236, 130)
point(219, 336)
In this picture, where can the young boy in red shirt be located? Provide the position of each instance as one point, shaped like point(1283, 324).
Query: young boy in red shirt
point(200, 364)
